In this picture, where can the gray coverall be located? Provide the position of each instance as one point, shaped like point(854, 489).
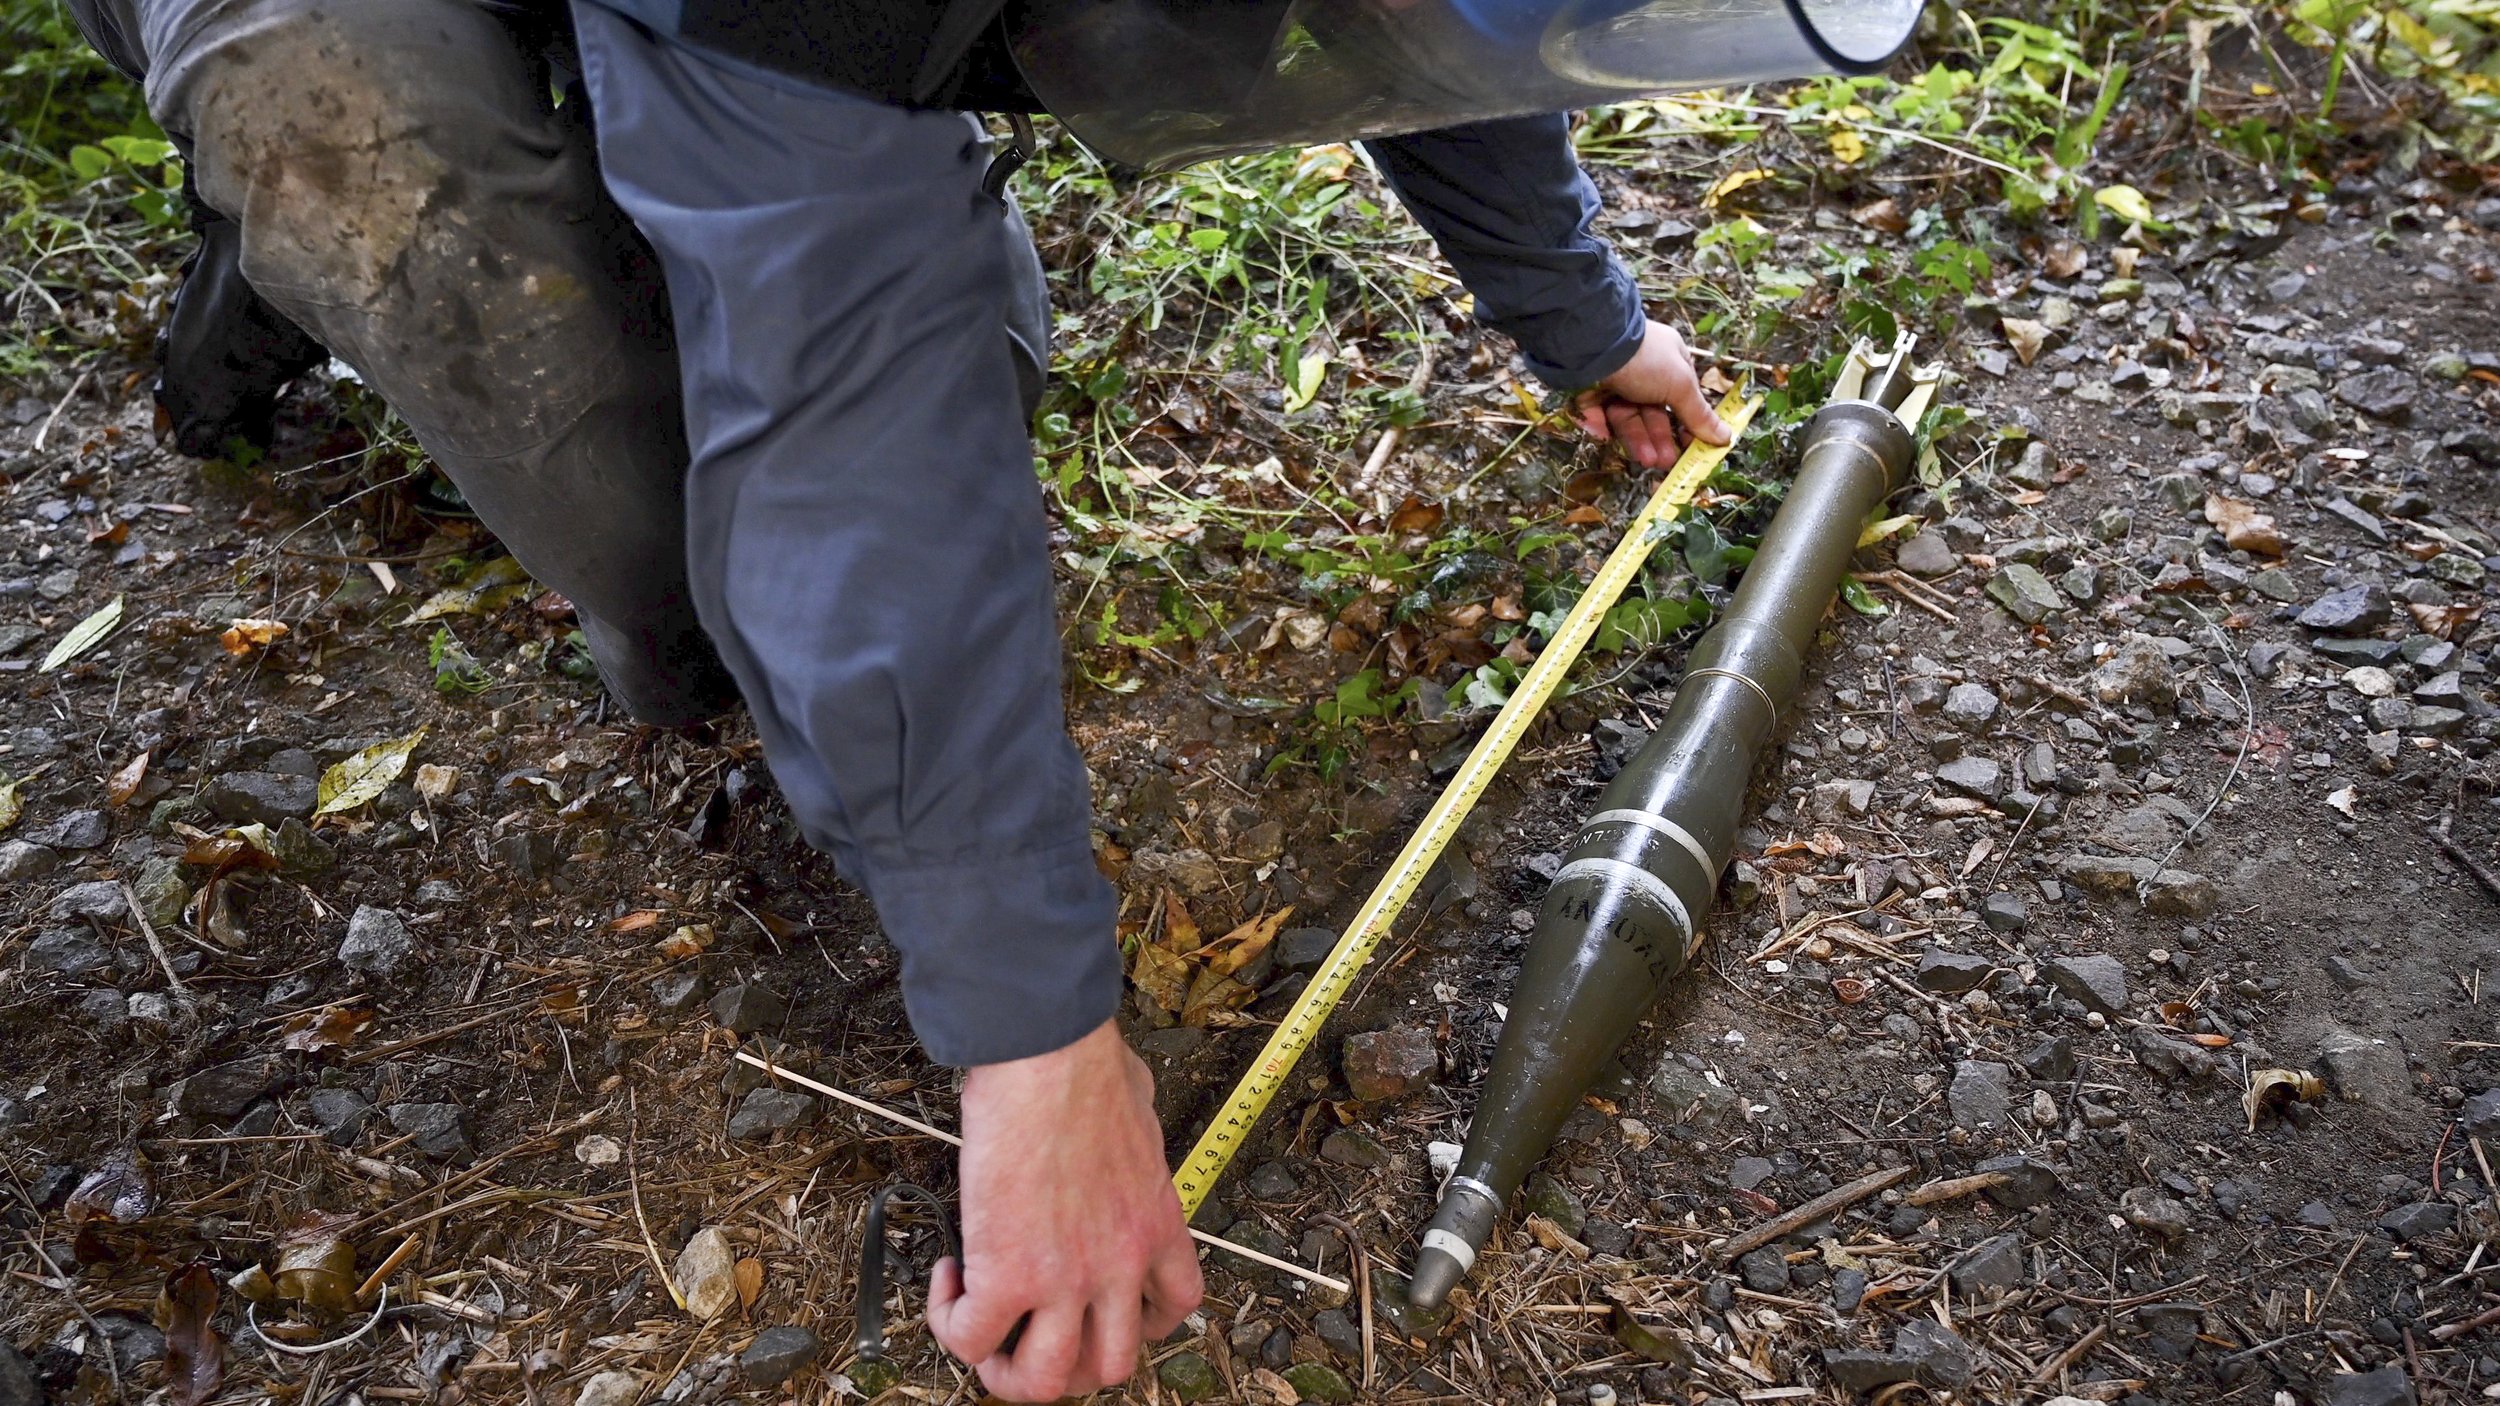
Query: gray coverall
point(848, 501)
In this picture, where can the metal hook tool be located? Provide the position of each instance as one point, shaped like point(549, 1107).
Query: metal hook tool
point(875, 1257)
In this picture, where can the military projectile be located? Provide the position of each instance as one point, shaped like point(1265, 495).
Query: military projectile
point(1625, 911)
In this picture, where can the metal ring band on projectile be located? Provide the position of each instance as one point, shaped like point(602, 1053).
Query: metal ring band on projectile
point(1856, 423)
point(1650, 820)
point(1754, 648)
point(1651, 887)
point(1758, 691)
point(1473, 1187)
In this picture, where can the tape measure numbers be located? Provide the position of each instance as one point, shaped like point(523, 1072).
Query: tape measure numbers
point(1295, 1034)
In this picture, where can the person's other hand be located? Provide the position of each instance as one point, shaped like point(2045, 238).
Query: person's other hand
point(1071, 1226)
point(1654, 404)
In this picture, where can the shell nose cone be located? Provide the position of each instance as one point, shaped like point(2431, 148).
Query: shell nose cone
point(1437, 1272)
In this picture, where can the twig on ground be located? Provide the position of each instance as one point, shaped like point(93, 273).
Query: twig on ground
point(2457, 852)
point(148, 931)
point(2056, 1366)
point(1388, 445)
point(1953, 1188)
point(1836, 1198)
point(40, 436)
point(855, 1101)
point(2248, 734)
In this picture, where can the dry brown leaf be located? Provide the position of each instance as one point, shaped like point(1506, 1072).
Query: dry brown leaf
point(2065, 259)
point(690, 940)
point(749, 1273)
point(2026, 337)
point(1180, 931)
point(195, 1357)
point(1554, 1237)
point(2210, 1041)
point(125, 783)
point(2243, 527)
point(1882, 215)
point(637, 920)
point(1242, 946)
point(1163, 975)
point(244, 636)
point(2444, 621)
point(435, 782)
point(1585, 515)
point(329, 1028)
point(2272, 1088)
point(1211, 995)
point(120, 1191)
point(317, 1267)
point(1415, 515)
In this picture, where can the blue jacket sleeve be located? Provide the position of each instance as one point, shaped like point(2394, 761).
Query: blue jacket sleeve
point(1511, 208)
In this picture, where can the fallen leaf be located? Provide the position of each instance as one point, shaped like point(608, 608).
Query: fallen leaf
point(2065, 259)
point(2025, 336)
point(750, 1276)
point(1731, 183)
point(362, 778)
point(1162, 975)
point(1553, 1237)
point(1415, 515)
point(1882, 215)
point(2211, 1042)
point(1654, 1344)
point(120, 1191)
point(1210, 995)
point(489, 586)
point(244, 636)
point(437, 782)
point(1880, 529)
point(330, 1028)
point(637, 920)
point(564, 999)
point(690, 940)
point(2444, 621)
point(317, 1266)
point(125, 783)
point(195, 1357)
point(1848, 148)
point(2126, 202)
point(112, 536)
point(12, 801)
point(1585, 515)
point(1309, 375)
point(83, 636)
point(2243, 527)
point(2273, 1088)
point(1242, 946)
point(1180, 931)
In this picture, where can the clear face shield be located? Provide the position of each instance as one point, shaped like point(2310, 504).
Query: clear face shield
point(1158, 84)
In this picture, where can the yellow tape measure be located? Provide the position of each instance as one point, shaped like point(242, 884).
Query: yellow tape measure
point(1301, 1025)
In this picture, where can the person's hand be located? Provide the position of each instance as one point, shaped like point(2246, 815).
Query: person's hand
point(1654, 405)
point(1071, 1226)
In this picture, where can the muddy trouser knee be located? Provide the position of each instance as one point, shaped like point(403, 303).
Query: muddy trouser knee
point(859, 331)
point(410, 197)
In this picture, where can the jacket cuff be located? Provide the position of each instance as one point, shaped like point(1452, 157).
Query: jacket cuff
point(1004, 958)
point(1599, 345)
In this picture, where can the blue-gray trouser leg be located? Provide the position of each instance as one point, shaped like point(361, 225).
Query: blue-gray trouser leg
point(868, 540)
point(408, 195)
